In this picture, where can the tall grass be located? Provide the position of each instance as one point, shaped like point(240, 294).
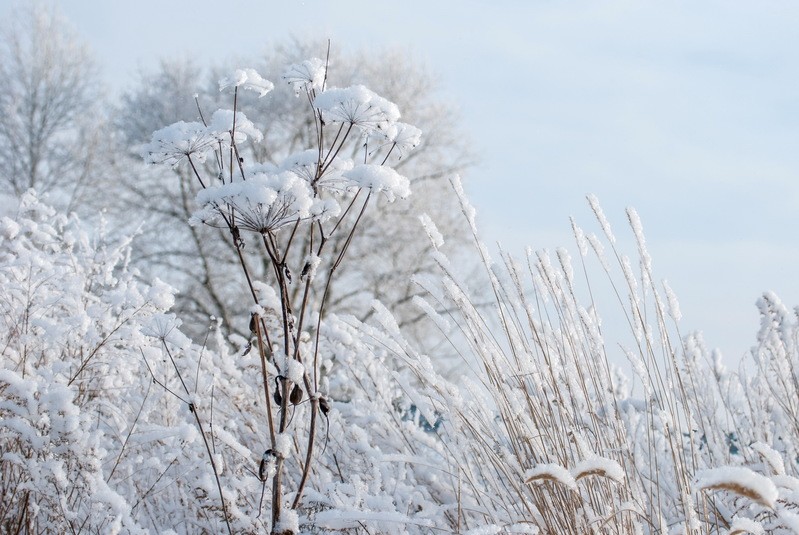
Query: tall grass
point(546, 435)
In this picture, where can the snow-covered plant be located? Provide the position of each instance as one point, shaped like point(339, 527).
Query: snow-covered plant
point(545, 433)
point(71, 318)
point(318, 194)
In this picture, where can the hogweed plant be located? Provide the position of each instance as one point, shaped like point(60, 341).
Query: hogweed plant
point(311, 197)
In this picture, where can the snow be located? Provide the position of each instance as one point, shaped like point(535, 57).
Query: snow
point(178, 141)
point(264, 202)
point(772, 458)
point(289, 522)
point(379, 178)
point(403, 137)
point(599, 466)
point(550, 472)
point(307, 76)
point(356, 106)
point(247, 79)
point(739, 480)
point(305, 164)
point(295, 371)
point(741, 525)
point(222, 122)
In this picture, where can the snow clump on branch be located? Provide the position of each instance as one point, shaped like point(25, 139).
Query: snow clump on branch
point(307, 76)
point(357, 106)
point(247, 79)
point(264, 203)
point(181, 140)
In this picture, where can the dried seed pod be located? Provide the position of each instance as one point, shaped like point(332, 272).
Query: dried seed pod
point(254, 323)
point(276, 396)
point(296, 395)
point(264, 462)
point(324, 406)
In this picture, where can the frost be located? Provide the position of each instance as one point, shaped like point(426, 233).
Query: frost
point(674, 304)
point(379, 178)
point(295, 371)
point(306, 165)
point(490, 529)
point(312, 263)
point(289, 522)
point(282, 445)
point(8, 228)
point(432, 231)
point(771, 457)
point(247, 79)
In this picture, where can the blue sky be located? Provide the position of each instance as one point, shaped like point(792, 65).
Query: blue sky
point(687, 111)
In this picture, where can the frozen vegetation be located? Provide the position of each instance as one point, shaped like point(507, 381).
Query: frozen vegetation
point(118, 414)
point(114, 421)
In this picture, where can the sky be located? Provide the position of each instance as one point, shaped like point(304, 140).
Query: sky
point(687, 111)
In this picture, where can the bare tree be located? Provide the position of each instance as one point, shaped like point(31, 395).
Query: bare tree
point(392, 246)
point(48, 106)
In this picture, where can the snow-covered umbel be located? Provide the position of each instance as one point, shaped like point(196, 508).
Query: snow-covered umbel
point(307, 76)
point(247, 79)
point(356, 106)
point(378, 178)
point(181, 141)
point(264, 203)
point(312, 202)
point(176, 142)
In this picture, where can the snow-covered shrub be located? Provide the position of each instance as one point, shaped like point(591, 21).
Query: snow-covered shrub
point(71, 316)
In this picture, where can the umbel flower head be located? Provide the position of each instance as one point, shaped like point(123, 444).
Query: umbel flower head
point(306, 165)
point(264, 203)
point(308, 76)
point(401, 137)
point(247, 79)
point(356, 106)
point(176, 142)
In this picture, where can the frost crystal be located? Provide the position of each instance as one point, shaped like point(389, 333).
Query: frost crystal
point(247, 79)
point(182, 140)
